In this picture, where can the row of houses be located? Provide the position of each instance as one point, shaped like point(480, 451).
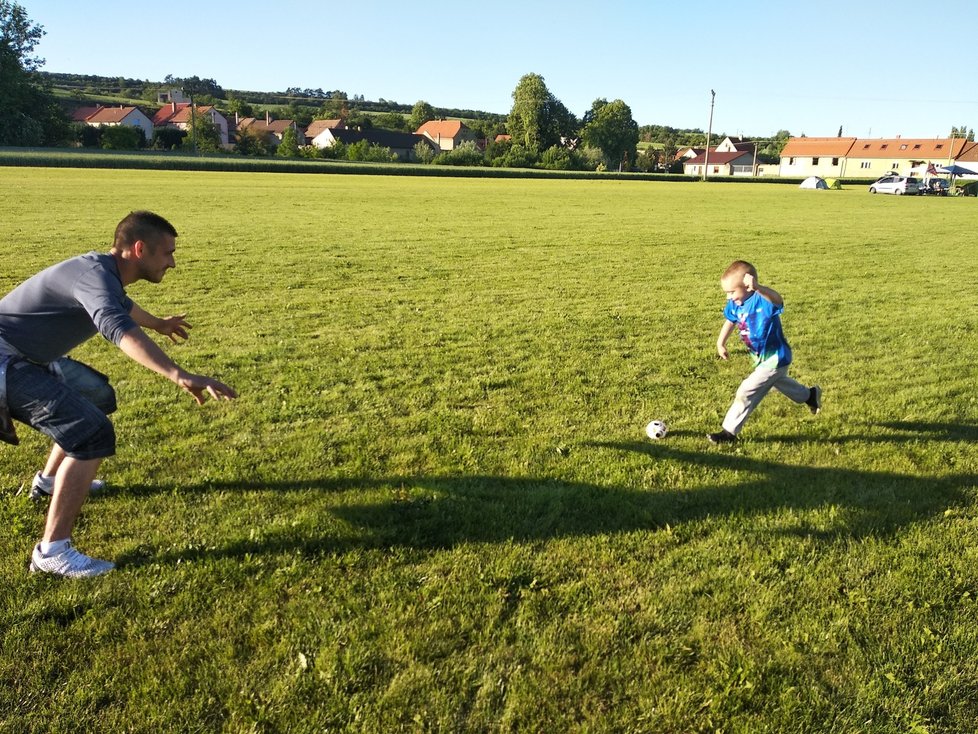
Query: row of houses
point(801, 157)
point(439, 135)
point(833, 157)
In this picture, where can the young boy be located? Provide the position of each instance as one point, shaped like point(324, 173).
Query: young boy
point(755, 310)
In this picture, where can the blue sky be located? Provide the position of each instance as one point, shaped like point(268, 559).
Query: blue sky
point(878, 70)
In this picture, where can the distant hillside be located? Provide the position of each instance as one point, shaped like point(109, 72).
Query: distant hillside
point(303, 104)
point(115, 90)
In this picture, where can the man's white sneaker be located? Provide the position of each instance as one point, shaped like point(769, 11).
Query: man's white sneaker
point(43, 486)
point(69, 563)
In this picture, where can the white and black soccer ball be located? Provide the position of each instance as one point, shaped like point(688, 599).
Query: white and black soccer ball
point(656, 430)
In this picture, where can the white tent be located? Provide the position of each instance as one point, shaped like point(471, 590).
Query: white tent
point(813, 182)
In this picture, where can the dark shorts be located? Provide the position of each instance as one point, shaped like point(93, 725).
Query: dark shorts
point(72, 411)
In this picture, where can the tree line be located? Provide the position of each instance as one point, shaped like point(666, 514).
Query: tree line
point(539, 130)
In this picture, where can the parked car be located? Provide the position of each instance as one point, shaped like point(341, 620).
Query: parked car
point(894, 185)
point(933, 187)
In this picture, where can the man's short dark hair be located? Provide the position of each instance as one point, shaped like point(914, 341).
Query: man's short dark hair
point(141, 225)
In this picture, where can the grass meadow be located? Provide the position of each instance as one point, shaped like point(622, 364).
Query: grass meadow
point(434, 508)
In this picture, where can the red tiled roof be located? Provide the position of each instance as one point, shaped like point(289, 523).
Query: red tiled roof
point(177, 113)
point(166, 113)
point(913, 148)
point(969, 153)
point(274, 126)
point(81, 114)
point(317, 126)
point(807, 147)
point(110, 115)
point(445, 128)
point(719, 159)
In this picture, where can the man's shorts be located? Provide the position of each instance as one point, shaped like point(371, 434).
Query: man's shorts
point(71, 410)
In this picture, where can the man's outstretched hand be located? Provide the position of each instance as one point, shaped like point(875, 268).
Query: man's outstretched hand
point(200, 387)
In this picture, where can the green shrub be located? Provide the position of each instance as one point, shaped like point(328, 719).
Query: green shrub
point(122, 137)
point(557, 158)
point(168, 138)
point(423, 152)
point(467, 154)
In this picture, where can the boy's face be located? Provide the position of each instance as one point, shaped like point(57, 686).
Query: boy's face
point(733, 286)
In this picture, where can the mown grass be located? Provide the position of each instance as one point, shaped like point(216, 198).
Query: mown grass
point(235, 163)
point(433, 507)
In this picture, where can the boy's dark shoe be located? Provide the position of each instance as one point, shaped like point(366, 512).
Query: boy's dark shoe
point(723, 436)
point(814, 401)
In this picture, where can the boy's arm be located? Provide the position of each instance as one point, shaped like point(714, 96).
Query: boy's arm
point(725, 331)
point(751, 284)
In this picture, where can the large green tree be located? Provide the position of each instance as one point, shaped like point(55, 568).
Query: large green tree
point(421, 113)
point(612, 130)
point(289, 147)
point(538, 120)
point(28, 114)
point(203, 136)
point(335, 108)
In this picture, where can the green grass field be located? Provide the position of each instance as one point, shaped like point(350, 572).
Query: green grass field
point(434, 509)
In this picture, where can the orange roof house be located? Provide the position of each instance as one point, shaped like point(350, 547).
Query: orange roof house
point(446, 134)
point(178, 114)
point(100, 116)
point(819, 147)
point(866, 157)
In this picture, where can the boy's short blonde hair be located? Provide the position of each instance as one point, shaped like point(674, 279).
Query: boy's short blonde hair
point(739, 268)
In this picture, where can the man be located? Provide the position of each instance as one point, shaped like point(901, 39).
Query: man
point(46, 317)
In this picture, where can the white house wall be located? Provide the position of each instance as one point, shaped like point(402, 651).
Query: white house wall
point(803, 167)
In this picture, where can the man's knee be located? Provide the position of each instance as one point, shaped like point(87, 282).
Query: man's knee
point(98, 445)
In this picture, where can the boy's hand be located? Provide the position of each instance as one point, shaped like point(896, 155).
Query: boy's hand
point(722, 350)
point(750, 282)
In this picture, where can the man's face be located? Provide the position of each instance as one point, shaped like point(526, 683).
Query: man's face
point(733, 286)
point(157, 257)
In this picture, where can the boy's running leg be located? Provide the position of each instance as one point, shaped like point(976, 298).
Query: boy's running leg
point(749, 395)
point(794, 390)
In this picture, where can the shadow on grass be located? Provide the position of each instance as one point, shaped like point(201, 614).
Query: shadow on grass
point(889, 432)
point(440, 512)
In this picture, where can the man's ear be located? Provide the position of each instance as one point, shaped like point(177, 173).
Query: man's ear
point(138, 248)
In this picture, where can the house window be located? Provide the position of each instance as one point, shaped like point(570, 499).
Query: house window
point(903, 147)
point(835, 161)
point(864, 164)
point(940, 145)
point(894, 167)
point(917, 146)
point(883, 146)
point(791, 161)
point(814, 161)
point(866, 147)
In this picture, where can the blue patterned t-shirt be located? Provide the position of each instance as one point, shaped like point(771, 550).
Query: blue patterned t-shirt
point(759, 323)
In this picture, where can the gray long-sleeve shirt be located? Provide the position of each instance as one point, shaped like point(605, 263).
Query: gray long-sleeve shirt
point(51, 313)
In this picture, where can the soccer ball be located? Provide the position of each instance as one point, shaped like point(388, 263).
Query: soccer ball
point(656, 430)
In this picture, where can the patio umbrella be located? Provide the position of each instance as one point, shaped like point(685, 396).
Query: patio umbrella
point(955, 170)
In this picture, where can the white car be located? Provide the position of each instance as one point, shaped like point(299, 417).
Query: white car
point(894, 185)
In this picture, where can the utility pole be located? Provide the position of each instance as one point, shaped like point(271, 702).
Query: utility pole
point(709, 134)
